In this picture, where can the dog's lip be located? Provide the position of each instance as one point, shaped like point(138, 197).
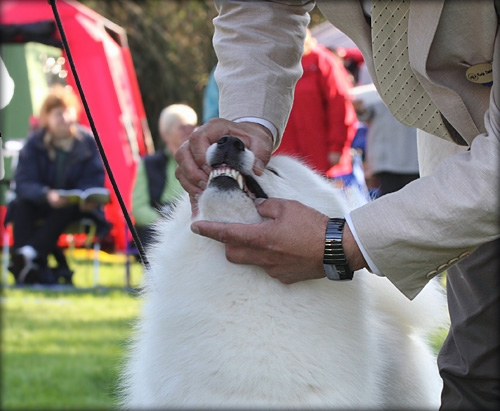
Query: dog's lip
point(246, 183)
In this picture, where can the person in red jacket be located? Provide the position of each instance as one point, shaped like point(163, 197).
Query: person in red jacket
point(322, 122)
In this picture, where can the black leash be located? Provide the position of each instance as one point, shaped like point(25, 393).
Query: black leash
point(126, 214)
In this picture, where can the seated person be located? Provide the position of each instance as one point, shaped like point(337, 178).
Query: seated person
point(58, 154)
point(155, 184)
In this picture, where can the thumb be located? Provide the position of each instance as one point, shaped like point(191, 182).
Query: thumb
point(268, 208)
point(262, 152)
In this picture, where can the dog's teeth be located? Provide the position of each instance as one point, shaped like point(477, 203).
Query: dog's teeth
point(228, 172)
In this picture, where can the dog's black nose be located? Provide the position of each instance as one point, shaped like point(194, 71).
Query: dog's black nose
point(229, 150)
point(230, 144)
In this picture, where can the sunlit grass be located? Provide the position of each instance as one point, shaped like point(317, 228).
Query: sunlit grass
point(62, 349)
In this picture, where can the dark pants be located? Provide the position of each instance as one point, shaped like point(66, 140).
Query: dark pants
point(391, 182)
point(469, 361)
point(40, 226)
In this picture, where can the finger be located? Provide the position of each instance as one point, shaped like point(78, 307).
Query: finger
point(250, 256)
point(257, 139)
point(234, 233)
point(205, 136)
point(213, 230)
point(241, 255)
point(198, 146)
point(194, 205)
point(192, 187)
point(191, 177)
point(262, 151)
point(269, 208)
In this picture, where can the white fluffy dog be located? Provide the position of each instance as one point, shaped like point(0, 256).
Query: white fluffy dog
point(213, 334)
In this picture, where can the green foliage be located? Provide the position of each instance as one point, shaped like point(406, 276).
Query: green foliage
point(171, 46)
point(436, 340)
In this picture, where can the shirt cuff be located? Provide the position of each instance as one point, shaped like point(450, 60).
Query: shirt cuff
point(373, 268)
point(262, 122)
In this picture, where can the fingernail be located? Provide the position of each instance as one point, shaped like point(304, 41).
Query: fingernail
point(195, 229)
point(202, 185)
point(259, 201)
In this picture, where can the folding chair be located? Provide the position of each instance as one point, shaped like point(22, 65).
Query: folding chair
point(85, 226)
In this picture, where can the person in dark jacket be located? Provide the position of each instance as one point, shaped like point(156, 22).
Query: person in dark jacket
point(155, 185)
point(59, 154)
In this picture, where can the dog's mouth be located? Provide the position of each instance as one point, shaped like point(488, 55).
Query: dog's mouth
point(227, 178)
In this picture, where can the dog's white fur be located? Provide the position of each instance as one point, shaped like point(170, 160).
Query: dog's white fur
point(218, 335)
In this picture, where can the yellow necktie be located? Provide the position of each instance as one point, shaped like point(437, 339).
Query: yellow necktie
point(400, 89)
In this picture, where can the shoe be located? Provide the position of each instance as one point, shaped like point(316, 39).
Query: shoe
point(47, 276)
point(64, 275)
point(23, 268)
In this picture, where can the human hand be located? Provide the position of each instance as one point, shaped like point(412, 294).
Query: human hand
point(192, 171)
point(288, 245)
point(55, 200)
point(87, 206)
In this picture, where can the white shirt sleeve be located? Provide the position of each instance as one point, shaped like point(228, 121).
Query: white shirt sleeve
point(372, 267)
point(262, 122)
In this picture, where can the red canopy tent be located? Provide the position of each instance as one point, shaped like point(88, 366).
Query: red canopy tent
point(104, 66)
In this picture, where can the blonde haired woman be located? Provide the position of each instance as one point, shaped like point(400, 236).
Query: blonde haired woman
point(58, 154)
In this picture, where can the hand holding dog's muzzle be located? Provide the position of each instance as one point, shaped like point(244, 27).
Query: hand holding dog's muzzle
point(288, 245)
point(193, 170)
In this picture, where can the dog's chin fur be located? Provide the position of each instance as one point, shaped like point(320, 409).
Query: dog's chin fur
point(225, 206)
point(213, 334)
point(230, 205)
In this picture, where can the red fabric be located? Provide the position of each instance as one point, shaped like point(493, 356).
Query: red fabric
point(322, 119)
point(108, 79)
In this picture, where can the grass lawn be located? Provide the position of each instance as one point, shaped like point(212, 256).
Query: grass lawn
point(62, 349)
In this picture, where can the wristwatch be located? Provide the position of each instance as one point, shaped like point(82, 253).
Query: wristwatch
point(334, 261)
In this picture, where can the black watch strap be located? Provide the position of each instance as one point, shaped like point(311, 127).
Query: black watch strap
point(334, 261)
